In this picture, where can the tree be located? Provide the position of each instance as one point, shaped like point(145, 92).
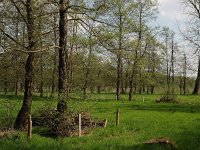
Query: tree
point(193, 33)
point(62, 72)
point(21, 121)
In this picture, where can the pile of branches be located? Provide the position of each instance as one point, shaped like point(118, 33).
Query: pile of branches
point(167, 99)
point(162, 141)
point(66, 124)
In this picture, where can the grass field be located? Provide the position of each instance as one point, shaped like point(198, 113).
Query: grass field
point(140, 121)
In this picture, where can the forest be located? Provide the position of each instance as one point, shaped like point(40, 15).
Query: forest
point(99, 74)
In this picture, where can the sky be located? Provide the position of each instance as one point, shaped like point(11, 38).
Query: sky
point(171, 14)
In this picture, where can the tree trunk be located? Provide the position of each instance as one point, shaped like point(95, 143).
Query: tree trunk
point(62, 68)
point(54, 60)
point(197, 81)
point(5, 87)
point(131, 83)
point(99, 84)
point(180, 85)
point(87, 68)
point(119, 57)
point(41, 76)
point(25, 111)
point(16, 60)
point(184, 74)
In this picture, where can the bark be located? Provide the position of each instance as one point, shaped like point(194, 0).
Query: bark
point(62, 68)
point(25, 111)
point(197, 81)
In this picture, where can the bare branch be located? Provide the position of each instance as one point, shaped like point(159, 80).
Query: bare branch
point(11, 38)
point(18, 10)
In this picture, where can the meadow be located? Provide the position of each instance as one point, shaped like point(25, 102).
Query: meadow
point(141, 119)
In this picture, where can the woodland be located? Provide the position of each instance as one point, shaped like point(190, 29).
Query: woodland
point(89, 74)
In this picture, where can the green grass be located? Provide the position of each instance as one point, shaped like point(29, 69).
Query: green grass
point(139, 121)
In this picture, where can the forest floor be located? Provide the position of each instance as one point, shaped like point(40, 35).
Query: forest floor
point(141, 120)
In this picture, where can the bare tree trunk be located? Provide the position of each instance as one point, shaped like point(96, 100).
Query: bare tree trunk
point(197, 81)
point(62, 68)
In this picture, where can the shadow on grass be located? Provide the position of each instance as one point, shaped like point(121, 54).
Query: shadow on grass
point(167, 107)
point(20, 97)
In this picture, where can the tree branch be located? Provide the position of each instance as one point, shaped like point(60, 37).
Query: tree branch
point(11, 38)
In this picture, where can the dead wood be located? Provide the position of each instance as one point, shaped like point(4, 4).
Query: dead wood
point(162, 141)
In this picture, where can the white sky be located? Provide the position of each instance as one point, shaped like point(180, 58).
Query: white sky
point(171, 13)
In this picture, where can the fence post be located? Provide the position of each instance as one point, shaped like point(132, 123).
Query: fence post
point(29, 132)
point(79, 125)
point(105, 123)
point(117, 117)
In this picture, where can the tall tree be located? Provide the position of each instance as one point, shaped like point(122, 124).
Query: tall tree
point(193, 33)
point(22, 117)
point(62, 68)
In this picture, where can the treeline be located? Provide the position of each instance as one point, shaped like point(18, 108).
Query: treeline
point(102, 76)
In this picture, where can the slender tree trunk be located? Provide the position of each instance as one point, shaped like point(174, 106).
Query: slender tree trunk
point(126, 78)
point(197, 81)
point(119, 57)
point(54, 60)
point(41, 75)
point(99, 84)
point(184, 74)
point(41, 62)
point(5, 83)
point(172, 64)
point(16, 60)
point(131, 82)
point(180, 85)
point(62, 68)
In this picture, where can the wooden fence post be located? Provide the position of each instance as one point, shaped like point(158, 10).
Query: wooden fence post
point(79, 125)
point(29, 132)
point(117, 117)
